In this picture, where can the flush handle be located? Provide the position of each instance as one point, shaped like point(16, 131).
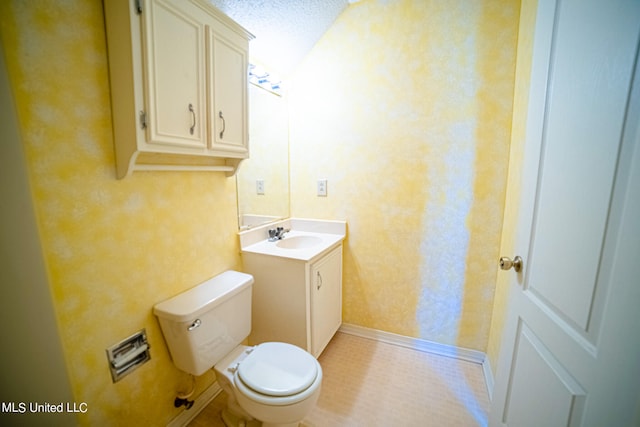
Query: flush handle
point(194, 325)
point(506, 263)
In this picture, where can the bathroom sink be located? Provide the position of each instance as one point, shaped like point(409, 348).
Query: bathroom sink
point(304, 240)
point(298, 242)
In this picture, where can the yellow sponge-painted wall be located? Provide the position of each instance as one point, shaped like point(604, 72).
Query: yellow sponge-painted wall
point(405, 108)
point(113, 248)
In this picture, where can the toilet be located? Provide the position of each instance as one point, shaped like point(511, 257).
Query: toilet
point(270, 384)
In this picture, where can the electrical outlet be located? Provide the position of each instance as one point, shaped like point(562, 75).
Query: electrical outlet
point(260, 186)
point(322, 187)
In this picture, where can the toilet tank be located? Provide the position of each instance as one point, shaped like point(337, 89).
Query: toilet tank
point(206, 322)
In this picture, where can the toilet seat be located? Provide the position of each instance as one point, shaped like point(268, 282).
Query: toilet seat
point(277, 374)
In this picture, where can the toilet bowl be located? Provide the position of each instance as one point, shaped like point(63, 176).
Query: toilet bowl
point(273, 383)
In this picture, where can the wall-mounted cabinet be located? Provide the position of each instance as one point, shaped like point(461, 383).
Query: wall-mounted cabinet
point(178, 72)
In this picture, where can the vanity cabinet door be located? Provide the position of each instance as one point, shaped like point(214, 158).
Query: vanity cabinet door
point(326, 299)
point(175, 71)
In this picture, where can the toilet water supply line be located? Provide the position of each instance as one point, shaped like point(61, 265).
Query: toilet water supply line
point(182, 398)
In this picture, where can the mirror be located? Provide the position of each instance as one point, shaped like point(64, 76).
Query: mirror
point(266, 171)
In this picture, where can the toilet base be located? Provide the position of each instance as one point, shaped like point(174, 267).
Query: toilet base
point(233, 415)
point(232, 420)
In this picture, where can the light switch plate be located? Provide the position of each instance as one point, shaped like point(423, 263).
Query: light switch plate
point(322, 187)
point(260, 186)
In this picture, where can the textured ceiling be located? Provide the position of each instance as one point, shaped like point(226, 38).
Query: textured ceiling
point(285, 30)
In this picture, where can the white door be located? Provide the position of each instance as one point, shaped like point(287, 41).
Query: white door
point(570, 353)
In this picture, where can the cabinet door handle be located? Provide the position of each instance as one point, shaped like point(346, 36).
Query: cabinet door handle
point(224, 124)
point(318, 280)
point(193, 119)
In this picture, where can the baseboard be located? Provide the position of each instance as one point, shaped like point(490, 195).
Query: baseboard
point(415, 343)
point(488, 377)
point(199, 404)
point(446, 350)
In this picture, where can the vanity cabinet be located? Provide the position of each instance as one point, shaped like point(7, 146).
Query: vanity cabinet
point(325, 299)
point(178, 74)
point(294, 301)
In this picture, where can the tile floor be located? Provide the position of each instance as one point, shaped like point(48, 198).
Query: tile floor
point(369, 383)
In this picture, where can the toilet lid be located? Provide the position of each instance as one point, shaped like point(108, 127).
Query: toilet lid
point(278, 369)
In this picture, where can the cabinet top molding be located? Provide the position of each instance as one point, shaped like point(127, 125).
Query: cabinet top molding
point(226, 20)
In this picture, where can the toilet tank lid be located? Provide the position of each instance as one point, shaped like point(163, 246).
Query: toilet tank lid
point(192, 303)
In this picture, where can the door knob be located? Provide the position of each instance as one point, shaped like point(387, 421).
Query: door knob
point(506, 263)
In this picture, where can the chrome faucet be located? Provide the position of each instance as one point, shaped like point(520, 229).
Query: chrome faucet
point(277, 233)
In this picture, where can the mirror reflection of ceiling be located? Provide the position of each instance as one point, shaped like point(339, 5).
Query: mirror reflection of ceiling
point(285, 30)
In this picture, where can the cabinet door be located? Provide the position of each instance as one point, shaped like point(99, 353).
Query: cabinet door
point(326, 300)
point(175, 79)
point(229, 95)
